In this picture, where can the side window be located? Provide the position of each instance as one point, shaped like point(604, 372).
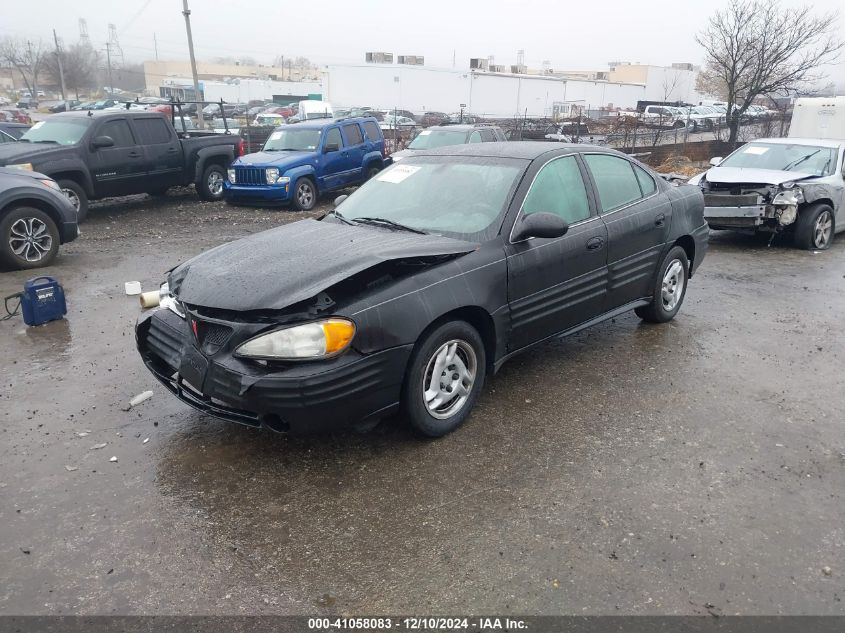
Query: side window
point(353, 134)
point(372, 131)
point(615, 180)
point(647, 184)
point(333, 137)
point(487, 136)
point(475, 137)
point(119, 131)
point(558, 188)
point(152, 131)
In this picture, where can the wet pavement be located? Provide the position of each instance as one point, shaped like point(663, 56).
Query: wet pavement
point(690, 468)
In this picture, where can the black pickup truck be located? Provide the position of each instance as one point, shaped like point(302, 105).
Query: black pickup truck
point(97, 154)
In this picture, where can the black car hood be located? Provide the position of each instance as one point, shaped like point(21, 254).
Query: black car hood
point(22, 151)
point(277, 268)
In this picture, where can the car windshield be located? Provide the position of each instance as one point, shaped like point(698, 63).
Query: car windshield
point(64, 131)
point(807, 159)
point(292, 140)
point(428, 139)
point(456, 196)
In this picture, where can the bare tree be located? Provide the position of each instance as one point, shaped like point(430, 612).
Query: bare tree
point(27, 57)
point(758, 47)
point(79, 63)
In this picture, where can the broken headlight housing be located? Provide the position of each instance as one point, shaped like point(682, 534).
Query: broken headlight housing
point(273, 178)
point(319, 339)
point(792, 196)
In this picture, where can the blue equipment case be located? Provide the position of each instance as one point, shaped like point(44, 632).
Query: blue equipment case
point(42, 300)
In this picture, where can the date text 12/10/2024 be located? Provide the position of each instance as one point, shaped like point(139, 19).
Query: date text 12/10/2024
point(417, 624)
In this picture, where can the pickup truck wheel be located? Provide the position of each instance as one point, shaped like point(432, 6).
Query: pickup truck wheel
point(670, 287)
point(28, 238)
point(304, 194)
point(210, 186)
point(444, 378)
point(77, 196)
point(814, 228)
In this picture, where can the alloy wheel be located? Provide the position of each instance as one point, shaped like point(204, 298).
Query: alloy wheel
point(822, 230)
point(305, 195)
point(215, 183)
point(30, 239)
point(448, 379)
point(71, 195)
point(673, 285)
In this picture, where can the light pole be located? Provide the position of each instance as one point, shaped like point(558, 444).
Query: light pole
point(187, 13)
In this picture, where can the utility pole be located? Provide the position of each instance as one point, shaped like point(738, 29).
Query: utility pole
point(155, 45)
point(108, 63)
point(187, 13)
point(59, 60)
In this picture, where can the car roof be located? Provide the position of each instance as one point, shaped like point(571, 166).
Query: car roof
point(101, 113)
point(818, 142)
point(319, 124)
point(528, 150)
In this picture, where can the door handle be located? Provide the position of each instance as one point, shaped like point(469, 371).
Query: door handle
point(172, 150)
point(134, 155)
point(595, 244)
point(660, 220)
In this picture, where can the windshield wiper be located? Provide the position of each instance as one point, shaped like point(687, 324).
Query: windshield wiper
point(340, 217)
point(390, 223)
point(798, 161)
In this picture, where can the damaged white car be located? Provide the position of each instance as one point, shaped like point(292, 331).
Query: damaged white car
point(779, 185)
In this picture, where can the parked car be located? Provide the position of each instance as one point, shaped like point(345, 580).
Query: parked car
point(266, 118)
point(391, 122)
point(212, 110)
point(451, 135)
point(85, 105)
point(663, 116)
point(254, 111)
point(102, 104)
point(15, 116)
point(433, 118)
point(120, 153)
point(64, 106)
point(12, 132)
point(28, 103)
point(462, 118)
point(429, 277)
point(300, 161)
point(35, 219)
point(779, 185)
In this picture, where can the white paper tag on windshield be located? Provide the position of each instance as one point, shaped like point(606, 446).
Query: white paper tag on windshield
point(275, 136)
point(397, 173)
point(425, 132)
point(755, 150)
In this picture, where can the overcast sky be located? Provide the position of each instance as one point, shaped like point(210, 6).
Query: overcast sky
point(572, 36)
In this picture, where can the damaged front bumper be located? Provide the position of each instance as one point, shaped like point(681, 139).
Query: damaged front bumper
point(297, 397)
point(751, 212)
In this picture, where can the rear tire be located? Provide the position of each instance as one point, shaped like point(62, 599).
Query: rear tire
point(77, 196)
point(28, 238)
point(670, 288)
point(372, 172)
point(210, 186)
point(445, 375)
point(815, 228)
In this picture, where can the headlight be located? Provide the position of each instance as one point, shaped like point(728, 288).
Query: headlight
point(310, 340)
point(232, 177)
point(50, 183)
point(789, 197)
point(26, 166)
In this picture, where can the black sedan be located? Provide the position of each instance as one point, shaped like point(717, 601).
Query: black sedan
point(421, 284)
point(35, 218)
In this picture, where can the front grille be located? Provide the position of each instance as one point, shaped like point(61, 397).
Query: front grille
point(212, 336)
point(250, 176)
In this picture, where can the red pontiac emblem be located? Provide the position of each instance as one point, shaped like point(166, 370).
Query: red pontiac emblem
point(194, 329)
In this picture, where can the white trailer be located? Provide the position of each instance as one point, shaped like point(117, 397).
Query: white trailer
point(818, 117)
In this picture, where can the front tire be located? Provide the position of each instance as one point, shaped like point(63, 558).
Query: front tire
point(670, 288)
point(445, 376)
point(815, 227)
point(28, 238)
point(304, 194)
point(210, 186)
point(78, 198)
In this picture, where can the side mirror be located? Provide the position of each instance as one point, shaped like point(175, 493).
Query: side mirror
point(340, 199)
point(716, 161)
point(539, 225)
point(102, 141)
point(331, 147)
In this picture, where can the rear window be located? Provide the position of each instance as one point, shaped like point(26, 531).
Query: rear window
point(353, 134)
point(372, 130)
point(428, 139)
point(152, 131)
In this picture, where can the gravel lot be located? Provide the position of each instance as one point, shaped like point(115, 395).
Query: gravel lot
point(691, 468)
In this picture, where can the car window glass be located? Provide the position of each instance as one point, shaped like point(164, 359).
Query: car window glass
point(119, 131)
point(615, 180)
point(152, 131)
point(333, 137)
point(372, 131)
point(353, 134)
point(475, 137)
point(558, 188)
point(487, 136)
point(647, 184)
